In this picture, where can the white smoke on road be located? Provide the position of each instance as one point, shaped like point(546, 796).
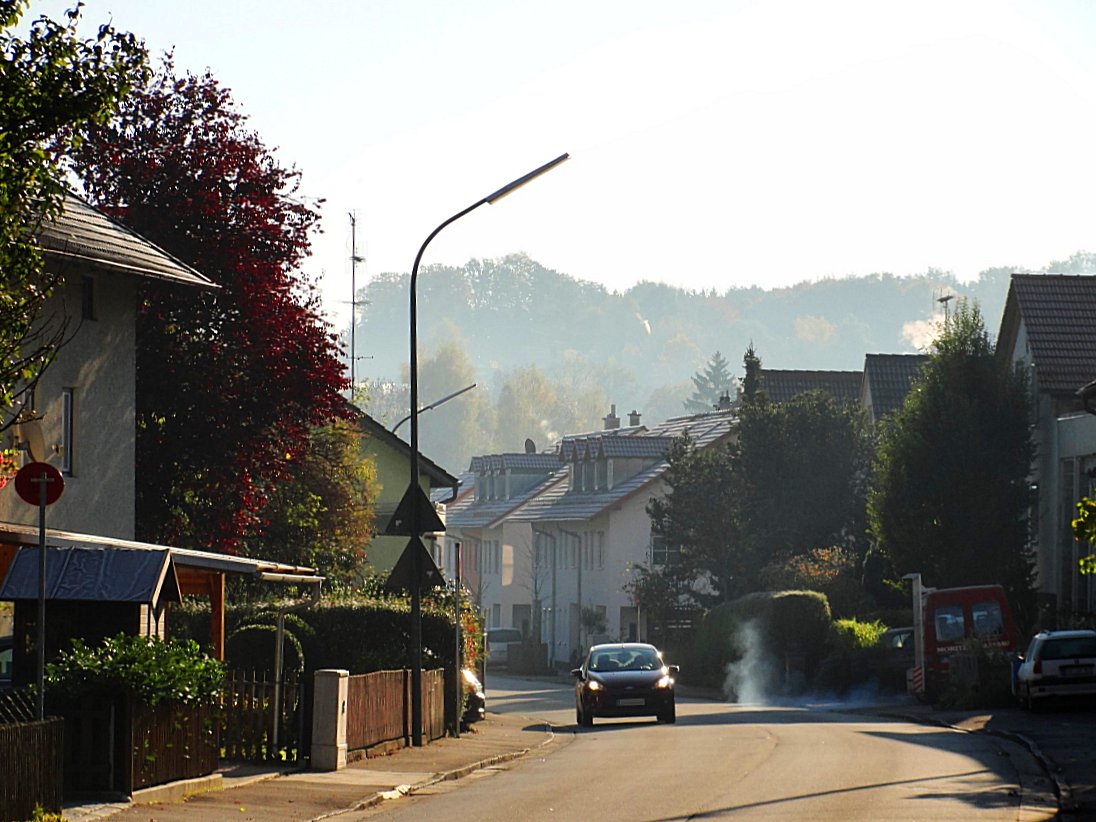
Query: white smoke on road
point(750, 677)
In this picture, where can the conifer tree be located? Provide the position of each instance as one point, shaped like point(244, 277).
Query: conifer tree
point(711, 383)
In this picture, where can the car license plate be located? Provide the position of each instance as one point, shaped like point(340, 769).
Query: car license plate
point(628, 703)
point(1076, 670)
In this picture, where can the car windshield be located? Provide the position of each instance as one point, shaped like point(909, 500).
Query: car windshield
point(625, 659)
point(1069, 648)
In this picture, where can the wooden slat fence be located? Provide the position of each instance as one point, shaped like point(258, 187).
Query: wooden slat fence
point(31, 767)
point(171, 742)
point(378, 707)
point(433, 704)
point(247, 718)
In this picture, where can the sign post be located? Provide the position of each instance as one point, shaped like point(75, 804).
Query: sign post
point(39, 483)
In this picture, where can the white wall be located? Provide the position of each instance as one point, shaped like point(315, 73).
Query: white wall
point(99, 364)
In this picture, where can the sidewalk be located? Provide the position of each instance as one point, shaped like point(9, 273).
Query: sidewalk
point(1061, 737)
point(254, 793)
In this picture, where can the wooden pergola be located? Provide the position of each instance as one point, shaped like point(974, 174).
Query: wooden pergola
point(200, 573)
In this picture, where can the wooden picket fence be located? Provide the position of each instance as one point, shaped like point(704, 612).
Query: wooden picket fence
point(31, 767)
point(378, 707)
point(248, 712)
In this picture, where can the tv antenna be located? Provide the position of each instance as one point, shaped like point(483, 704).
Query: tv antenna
point(947, 298)
point(354, 260)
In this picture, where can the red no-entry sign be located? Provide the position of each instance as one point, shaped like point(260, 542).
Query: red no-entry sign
point(30, 479)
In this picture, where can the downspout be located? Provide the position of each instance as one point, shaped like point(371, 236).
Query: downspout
point(552, 608)
point(578, 593)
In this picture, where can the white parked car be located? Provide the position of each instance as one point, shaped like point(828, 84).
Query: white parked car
point(499, 641)
point(1057, 663)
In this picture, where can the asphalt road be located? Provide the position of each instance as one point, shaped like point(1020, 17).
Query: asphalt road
point(723, 761)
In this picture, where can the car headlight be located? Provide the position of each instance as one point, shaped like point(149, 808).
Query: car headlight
point(666, 681)
point(593, 685)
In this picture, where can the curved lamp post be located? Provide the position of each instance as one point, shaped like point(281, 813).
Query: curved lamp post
point(415, 518)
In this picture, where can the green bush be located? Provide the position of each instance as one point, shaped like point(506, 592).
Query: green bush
point(713, 648)
point(359, 633)
point(848, 634)
point(146, 669)
point(781, 635)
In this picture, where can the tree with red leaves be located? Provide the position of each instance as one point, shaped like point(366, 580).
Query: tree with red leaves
point(229, 383)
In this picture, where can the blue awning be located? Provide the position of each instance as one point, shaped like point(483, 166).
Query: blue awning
point(94, 575)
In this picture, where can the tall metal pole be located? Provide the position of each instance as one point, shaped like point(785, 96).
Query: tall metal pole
point(353, 299)
point(458, 655)
point(415, 518)
point(40, 677)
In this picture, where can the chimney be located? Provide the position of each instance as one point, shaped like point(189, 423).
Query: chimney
point(633, 418)
point(724, 402)
point(612, 421)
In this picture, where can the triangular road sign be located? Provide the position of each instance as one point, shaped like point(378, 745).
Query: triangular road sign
point(402, 575)
point(429, 521)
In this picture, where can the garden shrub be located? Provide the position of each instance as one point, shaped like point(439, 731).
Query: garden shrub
point(146, 669)
point(358, 633)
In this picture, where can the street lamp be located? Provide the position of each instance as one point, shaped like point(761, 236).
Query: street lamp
point(415, 519)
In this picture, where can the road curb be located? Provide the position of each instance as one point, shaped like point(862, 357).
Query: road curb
point(445, 776)
point(1063, 794)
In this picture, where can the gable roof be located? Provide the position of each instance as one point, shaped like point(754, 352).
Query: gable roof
point(888, 378)
point(514, 462)
point(556, 504)
point(85, 234)
point(467, 512)
point(784, 385)
point(437, 476)
point(1058, 311)
point(94, 574)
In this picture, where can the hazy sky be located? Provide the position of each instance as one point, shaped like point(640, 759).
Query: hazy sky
point(713, 143)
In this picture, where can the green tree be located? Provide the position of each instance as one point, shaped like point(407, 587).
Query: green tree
point(451, 433)
point(322, 514)
point(950, 495)
point(751, 381)
point(710, 384)
point(53, 87)
point(804, 465)
point(700, 513)
point(1084, 530)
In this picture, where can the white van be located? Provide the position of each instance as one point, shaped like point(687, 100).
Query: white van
point(499, 641)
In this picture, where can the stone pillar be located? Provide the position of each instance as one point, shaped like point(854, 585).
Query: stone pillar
point(329, 694)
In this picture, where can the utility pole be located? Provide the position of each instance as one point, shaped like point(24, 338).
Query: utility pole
point(354, 260)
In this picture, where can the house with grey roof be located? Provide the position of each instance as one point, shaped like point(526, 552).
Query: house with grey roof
point(80, 416)
point(1048, 330)
point(497, 562)
point(888, 378)
point(391, 456)
point(556, 549)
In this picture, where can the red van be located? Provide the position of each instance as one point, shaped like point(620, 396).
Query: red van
point(952, 619)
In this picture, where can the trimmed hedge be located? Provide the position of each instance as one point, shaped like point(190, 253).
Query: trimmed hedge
point(781, 635)
point(359, 634)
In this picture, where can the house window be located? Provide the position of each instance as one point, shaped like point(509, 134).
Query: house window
point(600, 550)
point(87, 298)
point(67, 430)
point(663, 554)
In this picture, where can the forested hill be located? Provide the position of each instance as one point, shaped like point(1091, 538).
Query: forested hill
point(642, 346)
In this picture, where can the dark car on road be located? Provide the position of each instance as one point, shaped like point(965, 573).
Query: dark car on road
point(624, 679)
